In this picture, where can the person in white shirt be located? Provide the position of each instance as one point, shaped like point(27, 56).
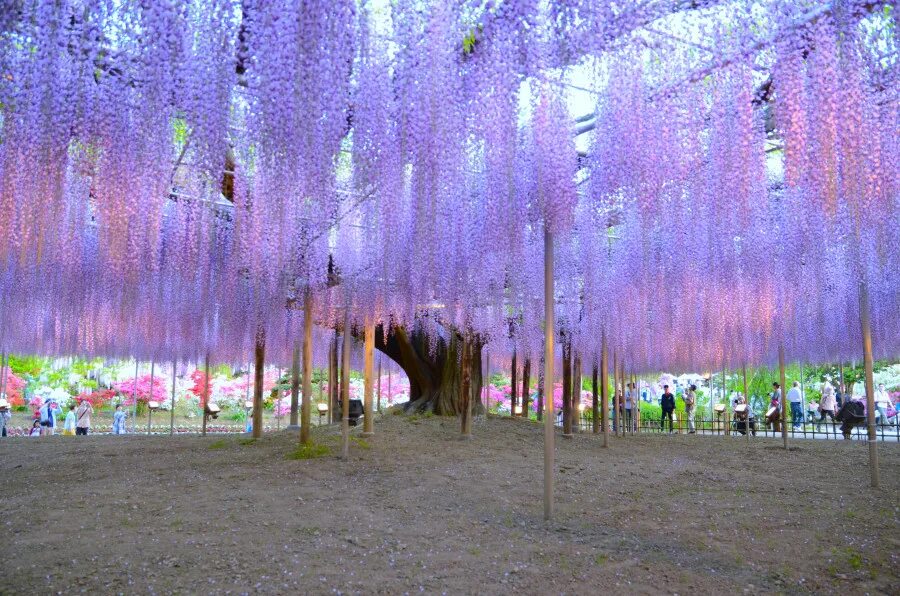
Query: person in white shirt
point(630, 395)
point(83, 416)
point(882, 403)
point(796, 400)
point(690, 400)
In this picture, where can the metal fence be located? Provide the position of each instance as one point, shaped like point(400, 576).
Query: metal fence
point(721, 426)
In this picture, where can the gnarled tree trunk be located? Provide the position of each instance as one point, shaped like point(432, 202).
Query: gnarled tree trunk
point(434, 368)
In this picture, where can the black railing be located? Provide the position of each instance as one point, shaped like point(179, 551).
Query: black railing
point(722, 425)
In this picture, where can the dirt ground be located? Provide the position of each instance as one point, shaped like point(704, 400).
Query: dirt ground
point(417, 510)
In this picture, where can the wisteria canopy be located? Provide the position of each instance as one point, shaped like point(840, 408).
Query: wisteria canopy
point(720, 176)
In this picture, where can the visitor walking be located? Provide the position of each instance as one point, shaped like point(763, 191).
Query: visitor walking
point(119, 417)
point(882, 403)
point(629, 396)
point(668, 407)
point(795, 398)
point(48, 414)
point(690, 400)
point(4, 416)
point(827, 405)
point(84, 412)
point(69, 424)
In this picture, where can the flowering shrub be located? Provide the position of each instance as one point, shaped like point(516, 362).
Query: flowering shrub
point(97, 398)
point(145, 392)
point(14, 387)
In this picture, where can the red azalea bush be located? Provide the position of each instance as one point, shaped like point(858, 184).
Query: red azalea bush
point(97, 398)
point(145, 392)
point(14, 387)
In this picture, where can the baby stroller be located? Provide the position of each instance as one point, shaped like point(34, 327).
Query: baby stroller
point(851, 415)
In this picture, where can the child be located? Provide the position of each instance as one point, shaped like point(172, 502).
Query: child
point(35, 428)
point(69, 425)
point(119, 421)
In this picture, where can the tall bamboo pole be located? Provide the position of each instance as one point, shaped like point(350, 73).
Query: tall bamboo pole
point(604, 390)
point(526, 386)
point(747, 401)
point(333, 379)
point(293, 423)
point(576, 393)
point(727, 404)
point(567, 388)
point(368, 372)
point(549, 418)
point(259, 362)
point(595, 410)
point(150, 397)
point(783, 395)
point(205, 394)
point(378, 385)
point(306, 406)
point(870, 382)
point(172, 404)
point(513, 386)
point(466, 389)
point(134, 395)
point(345, 386)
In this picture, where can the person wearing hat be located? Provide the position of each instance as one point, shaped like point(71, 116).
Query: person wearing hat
point(49, 411)
point(83, 417)
point(4, 415)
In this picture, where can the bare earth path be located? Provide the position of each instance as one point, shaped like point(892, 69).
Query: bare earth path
point(417, 510)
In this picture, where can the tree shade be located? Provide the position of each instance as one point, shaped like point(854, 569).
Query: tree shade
point(174, 175)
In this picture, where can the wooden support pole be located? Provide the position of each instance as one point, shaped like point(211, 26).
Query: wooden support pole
point(306, 405)
point(869, 380)
point(259, 363)
point(172, 404)
point(333, 379)
point(727, 414)
point(378, 385)
point(465, 426)
point(526, 386)
point(345, 386)
point(784, 417)
point(576, 394)
point(567, 388)
point(368, 372)
point(513, 386)
point(746, 401)
point(636, 404)
point(487, 386)
point(595, 410)
point(294, 422)
point(205, 393)
point(621, 406)
point(549, 417)
point(604, 390)
point(134, 396)
point(150, 397)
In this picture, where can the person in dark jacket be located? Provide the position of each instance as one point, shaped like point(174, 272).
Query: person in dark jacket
point(668, 406)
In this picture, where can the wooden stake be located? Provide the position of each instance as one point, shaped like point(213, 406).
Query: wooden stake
point(487, 386)
point(595, 411)
point(205, 393)
point(150, 397)
point(549, 418)
point(604, 390)
point(466, 390)
point(332, 379)
point(576, 394)
point(567, 388)
point(870, 382)
point(727, 414)
point(259, 362)
point(134, 395)
point(513, 386)
point(293, 423)
point(345, 387)
point(172, 405)
point(368, 371)
point(783, 396)
point(747, 401)
point(526, 386)
point(306, 406)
